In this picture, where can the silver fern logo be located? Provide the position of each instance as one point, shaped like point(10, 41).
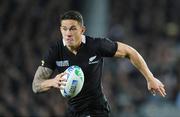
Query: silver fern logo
point(91, 60)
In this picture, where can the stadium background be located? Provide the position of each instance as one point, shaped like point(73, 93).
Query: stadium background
point(27, 27)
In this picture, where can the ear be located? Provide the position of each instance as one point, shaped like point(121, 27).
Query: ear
point(83, 29)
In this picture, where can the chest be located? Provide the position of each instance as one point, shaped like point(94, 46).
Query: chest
point(85, 58)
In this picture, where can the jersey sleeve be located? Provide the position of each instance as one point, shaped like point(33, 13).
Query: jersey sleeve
point(106, 47)
point(49, 58)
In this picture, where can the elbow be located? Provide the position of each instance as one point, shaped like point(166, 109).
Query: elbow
point(132, 53)
point(34, 88)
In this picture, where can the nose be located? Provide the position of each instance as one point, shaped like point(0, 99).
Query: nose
point(69, 35)
point(68, 32)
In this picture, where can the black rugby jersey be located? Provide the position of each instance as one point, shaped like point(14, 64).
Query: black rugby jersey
point(90, 58)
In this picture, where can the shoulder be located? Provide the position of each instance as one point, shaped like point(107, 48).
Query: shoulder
point(98, 41)
point(94, 41)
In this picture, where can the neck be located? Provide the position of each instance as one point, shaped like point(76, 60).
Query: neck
point(74, 49)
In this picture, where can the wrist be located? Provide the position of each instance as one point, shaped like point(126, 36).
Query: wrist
point(47, 84)
point(150, 78)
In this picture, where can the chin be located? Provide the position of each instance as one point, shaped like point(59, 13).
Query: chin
point(70, 45)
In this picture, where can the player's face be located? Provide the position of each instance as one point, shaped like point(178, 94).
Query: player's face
point(71, 32)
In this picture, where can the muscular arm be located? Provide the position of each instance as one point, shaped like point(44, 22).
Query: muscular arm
point(40, 82)
point(135, 58)
point(154, 85)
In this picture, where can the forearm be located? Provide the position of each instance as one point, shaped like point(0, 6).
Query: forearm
point(41, 86)
point(138, 61)
point(135, 58)
point(154, 85)
point(41, 80)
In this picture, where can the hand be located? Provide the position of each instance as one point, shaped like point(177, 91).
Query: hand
point(59, 81)
point(156, 86)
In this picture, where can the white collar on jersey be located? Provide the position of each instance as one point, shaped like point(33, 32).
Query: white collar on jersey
point(83, 40)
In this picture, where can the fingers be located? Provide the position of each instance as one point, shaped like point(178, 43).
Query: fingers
point(60, 81)
point(153, 92)
point(156, 86)
point(160, 90)
point(58, 84)
point(61, 75)
point(62, 84)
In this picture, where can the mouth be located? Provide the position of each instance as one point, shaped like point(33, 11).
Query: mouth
point(69, 40)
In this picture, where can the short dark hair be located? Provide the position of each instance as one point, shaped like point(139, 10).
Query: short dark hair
point(73, 15)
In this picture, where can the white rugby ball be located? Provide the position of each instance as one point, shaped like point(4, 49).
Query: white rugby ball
point(75, 81)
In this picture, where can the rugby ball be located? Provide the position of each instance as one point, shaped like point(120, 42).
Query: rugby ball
point(75, 80)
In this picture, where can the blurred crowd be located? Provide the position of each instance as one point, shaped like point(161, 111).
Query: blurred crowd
point(152, 27)
point(27, 28)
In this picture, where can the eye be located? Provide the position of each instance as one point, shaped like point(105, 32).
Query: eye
point(73, 28)
point(64, 28)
